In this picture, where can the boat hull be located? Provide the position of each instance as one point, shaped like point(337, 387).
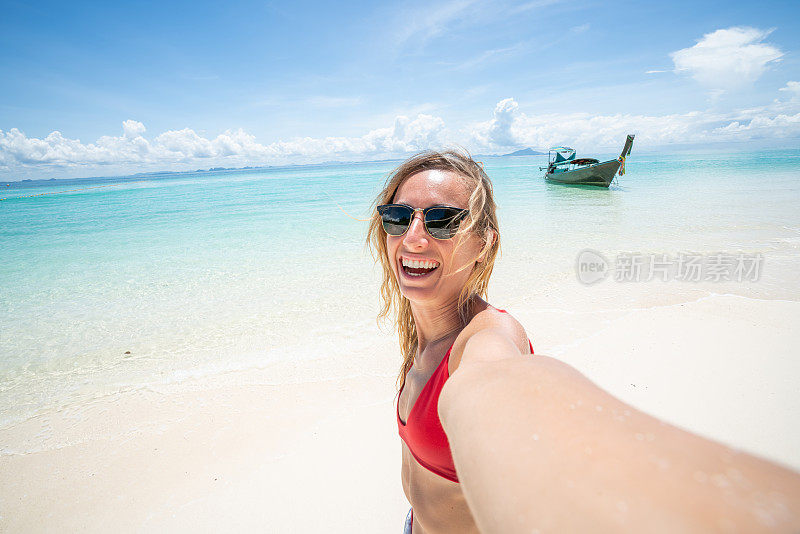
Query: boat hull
point(599, 174)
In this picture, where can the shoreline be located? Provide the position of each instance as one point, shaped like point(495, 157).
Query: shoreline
point(296, 456)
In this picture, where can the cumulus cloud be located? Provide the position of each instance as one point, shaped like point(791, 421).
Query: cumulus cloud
point(174, 146)
point(498, 131)
point(185, 144)
point(792, 88)
point(132, 129)
point(727, 58)
point(771, 127)
point(511, 127)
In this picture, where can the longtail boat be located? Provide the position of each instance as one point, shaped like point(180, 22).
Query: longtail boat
point(564, 168)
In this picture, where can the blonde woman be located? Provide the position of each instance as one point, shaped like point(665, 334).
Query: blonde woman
point(498, 440)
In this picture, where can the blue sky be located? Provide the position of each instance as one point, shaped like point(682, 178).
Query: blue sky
point(204, 84)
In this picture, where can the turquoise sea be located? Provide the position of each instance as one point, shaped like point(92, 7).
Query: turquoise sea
point(162, 278)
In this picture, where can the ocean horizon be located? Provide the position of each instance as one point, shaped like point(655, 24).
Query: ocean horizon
point(763, 146)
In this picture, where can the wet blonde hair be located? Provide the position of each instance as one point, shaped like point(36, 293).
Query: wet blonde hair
point(482, 221)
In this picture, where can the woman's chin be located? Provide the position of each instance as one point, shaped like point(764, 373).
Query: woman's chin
point(432, 294)
point(417, 294)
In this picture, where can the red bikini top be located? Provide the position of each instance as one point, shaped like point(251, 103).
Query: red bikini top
point(423, 432)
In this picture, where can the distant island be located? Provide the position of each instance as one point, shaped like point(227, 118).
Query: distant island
point(526, 152)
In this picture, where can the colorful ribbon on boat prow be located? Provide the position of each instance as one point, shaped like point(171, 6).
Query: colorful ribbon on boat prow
point(621, 165)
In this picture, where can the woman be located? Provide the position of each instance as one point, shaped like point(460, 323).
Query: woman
point(497, 440)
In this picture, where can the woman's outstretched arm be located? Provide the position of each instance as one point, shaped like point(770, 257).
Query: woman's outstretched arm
point(540, 448)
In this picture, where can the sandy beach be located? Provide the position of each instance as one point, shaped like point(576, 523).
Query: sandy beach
point(319, 450)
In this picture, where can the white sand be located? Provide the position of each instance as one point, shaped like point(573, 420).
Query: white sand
point(320, 452)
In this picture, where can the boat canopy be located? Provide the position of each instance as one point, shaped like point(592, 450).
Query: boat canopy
point(563, 153)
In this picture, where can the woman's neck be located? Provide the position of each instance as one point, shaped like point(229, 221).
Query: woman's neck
point(437, 322)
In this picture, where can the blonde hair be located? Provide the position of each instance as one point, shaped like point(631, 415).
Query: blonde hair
point(482, 221)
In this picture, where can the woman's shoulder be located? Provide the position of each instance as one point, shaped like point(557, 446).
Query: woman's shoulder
point(495, 320)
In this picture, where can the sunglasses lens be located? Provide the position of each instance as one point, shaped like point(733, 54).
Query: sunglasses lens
point(396, 219)
point(442, 223)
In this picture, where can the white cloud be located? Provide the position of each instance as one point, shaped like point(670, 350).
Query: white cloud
point(237, 146)
point(511, 127)
point(770, 127)
point(727, 58)
point(185, 144)
point(132, 129)
point(499, 132)
point(793, 88)
point(508, 127)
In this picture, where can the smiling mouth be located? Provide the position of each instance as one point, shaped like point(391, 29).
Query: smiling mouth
point(418, 268)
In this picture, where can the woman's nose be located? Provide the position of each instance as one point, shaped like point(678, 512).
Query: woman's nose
point(416, 236)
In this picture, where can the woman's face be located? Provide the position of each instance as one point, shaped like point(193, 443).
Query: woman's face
point(437, 280)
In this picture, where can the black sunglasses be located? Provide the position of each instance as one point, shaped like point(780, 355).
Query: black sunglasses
point(441, 222)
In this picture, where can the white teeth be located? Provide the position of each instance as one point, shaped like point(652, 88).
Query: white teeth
point(420, 264)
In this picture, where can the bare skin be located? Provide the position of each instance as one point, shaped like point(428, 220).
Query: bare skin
point(540, 448)
point(439, 504)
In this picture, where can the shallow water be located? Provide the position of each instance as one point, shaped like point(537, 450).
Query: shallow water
point(201, 273)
